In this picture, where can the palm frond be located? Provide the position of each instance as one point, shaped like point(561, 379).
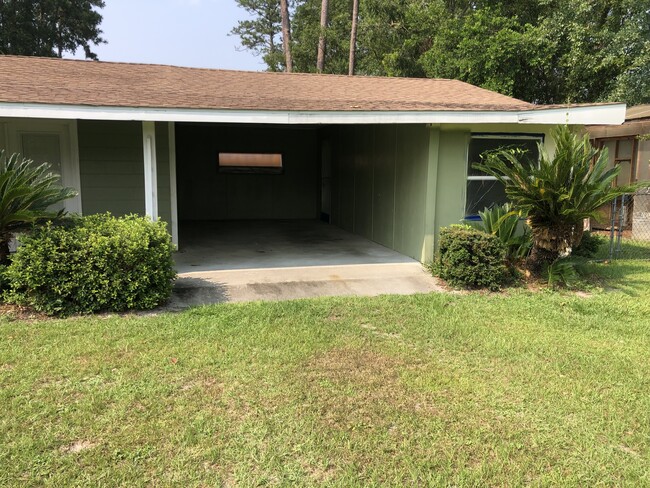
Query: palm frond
point(564, 188)
point(27, 193)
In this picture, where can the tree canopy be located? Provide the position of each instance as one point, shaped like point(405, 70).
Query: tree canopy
point(50, 27)
point(542, 51)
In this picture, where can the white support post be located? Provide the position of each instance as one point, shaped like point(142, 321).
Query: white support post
point(150, 170)
point(172, 183)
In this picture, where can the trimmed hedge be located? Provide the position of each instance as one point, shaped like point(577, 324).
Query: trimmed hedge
point(91, 264)
point(470, 258)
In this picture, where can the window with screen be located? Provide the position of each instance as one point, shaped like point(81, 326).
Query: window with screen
point(250, 163)
point(484, 190)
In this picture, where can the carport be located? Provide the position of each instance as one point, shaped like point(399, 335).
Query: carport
point(267, 232)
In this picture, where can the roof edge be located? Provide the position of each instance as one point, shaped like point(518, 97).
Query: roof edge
point(613, 114)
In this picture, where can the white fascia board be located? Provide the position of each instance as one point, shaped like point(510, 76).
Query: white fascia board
point(606, 114)
point(613, 114)
point(83, 112)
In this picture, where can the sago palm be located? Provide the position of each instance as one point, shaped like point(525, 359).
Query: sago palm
point(557, 194)
point(27, 193)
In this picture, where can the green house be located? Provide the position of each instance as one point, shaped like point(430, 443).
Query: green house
point(387, 159)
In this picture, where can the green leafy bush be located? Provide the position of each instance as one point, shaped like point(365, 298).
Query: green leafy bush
point(94, 263)
point(589, 245)
point(503, 222)
point(470, 258)
point(4, 280)
point(562, 271)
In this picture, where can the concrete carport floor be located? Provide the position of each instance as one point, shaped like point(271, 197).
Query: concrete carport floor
point(235, 261)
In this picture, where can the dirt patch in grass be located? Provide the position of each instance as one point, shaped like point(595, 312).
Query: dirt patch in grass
point(78, 446)
point(205, 386)
point(350, 388)
point(17, 312)
point(320, 474)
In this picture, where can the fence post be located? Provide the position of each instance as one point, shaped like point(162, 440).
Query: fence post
point(612, 224)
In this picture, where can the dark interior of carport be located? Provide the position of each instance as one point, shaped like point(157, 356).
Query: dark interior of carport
point(208, 193)
point(332, 178)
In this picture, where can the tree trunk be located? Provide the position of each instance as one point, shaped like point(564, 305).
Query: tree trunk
point(320, 61)
point(286, 35)
point(551, 242)
point(353, 36)
point(539, 258)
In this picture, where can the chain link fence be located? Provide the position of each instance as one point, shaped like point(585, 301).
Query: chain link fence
point(629, 226)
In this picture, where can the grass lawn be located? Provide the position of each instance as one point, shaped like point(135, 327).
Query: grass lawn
point(467, 390)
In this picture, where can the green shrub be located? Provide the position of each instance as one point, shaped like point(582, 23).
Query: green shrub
point(4, 280)
point(470, 258)
point(562, 271)
point(589, 245)
point(503, 222)
point(91, 264)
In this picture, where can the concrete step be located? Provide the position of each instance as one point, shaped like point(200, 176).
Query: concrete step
point(198, 288)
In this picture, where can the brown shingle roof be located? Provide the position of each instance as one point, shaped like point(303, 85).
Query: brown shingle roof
point(73, 82)
point(638, 112)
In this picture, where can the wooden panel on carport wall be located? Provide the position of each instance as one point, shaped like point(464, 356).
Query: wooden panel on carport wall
point(384, 185)
point(382, 179)
point(412, 149)
point(364, 158)
point(345, 156)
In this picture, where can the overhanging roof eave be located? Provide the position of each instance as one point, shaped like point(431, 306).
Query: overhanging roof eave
point(598, 114)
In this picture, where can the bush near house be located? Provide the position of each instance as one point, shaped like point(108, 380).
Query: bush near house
point(556, 195)
point(503, 222)
point(91, 264)
point(470, 258)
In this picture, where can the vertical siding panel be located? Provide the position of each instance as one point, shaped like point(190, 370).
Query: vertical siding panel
point(111, 167)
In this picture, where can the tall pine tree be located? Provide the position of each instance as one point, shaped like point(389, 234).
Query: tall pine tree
point(262, 33)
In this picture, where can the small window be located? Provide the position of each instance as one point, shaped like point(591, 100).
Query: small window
point(624, 157)
point(484, 190)
point(250, 163)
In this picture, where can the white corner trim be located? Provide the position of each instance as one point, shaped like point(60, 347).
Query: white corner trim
point(602, 115)
point(173, 196)
point(150, 177)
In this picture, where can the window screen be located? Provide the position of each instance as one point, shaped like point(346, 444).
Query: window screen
point(484, 190)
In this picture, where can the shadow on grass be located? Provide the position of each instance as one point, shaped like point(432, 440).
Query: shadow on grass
point(627, 276)
point(192, 292)
point(629, 250)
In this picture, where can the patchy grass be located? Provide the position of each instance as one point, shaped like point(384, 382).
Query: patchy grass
point(517, 388)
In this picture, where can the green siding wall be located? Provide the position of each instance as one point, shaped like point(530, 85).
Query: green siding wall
point(397, 185)
point(206, 194)
point(112, 169)
point(451, 181)
point(380, 184)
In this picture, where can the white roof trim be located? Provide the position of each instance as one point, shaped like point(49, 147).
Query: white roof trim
point(614, 114)
point(597, 114)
